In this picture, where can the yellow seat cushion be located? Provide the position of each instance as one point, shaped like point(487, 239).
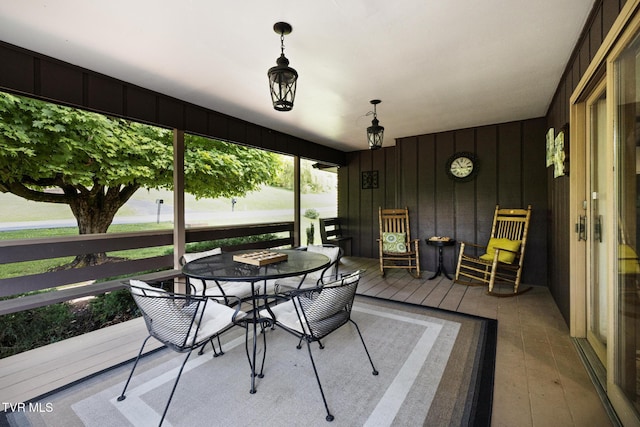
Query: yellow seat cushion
point(627, 260)
point(503, 256)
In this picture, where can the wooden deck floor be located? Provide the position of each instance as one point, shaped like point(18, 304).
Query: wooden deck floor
point(539, 380)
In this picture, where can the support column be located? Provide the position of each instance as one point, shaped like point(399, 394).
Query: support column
point(179, 235)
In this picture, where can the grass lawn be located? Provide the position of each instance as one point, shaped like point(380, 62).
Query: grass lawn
point(268, 205)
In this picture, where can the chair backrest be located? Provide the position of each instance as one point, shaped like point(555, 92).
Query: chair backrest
point(512, 224)
point(331, 271)
point(170, 318)
point(179, 321)
point(326, 309)
point(395, 222)
point(330, 228)
point(199, 285)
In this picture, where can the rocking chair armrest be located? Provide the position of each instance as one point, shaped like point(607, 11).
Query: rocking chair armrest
point(472, 244)
point(508, 250)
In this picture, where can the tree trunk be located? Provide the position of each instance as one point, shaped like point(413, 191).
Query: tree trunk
point(94, 211)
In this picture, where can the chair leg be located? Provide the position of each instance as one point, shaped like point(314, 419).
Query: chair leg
point(122, 395)
point(459, 262)
point(329, 417)
point(166, 408)
point(375, 371)
point(299, 346)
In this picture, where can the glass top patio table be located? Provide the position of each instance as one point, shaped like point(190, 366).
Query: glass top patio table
point(224, 268)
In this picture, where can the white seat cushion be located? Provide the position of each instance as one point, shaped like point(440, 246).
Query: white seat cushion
point(286, 315)
point(197, 255)
point(216, 317)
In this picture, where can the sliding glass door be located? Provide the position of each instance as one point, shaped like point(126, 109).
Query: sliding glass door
point(597, 209)
point(605, 274)
point(625, 378)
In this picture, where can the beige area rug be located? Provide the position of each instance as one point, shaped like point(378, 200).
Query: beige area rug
point(436, 369)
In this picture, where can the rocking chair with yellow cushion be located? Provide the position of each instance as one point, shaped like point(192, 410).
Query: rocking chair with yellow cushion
point(397, 249)
point(504, 256)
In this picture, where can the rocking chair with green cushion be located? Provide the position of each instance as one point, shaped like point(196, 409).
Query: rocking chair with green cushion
point(502, 258)
point(396, 248)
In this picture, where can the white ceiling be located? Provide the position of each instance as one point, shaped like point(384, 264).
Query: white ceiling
point(435, 64)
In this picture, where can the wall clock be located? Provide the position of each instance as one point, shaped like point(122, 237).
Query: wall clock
point(462, 166)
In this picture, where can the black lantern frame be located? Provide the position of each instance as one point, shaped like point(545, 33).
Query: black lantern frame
point(375, 132)
point(282, 78)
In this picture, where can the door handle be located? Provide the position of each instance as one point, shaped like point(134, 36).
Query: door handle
point(597, 229)
point(581, 228)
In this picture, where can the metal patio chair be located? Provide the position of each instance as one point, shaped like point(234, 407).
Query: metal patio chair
point(227, 291)
point(328, 274)
point(313, 313)
point(181, 322)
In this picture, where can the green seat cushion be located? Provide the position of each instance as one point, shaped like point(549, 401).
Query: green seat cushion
point(394, 242)
point(503, 256)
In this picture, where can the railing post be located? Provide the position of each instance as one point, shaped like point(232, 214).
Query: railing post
point(179, 235)
point(296, 202)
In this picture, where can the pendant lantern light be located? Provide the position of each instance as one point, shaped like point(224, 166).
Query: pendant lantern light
point(282, 78)
point(375, 132)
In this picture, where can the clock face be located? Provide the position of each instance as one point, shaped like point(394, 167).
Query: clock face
point(462, 167)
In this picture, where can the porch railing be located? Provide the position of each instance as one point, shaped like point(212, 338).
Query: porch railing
point(94, 280)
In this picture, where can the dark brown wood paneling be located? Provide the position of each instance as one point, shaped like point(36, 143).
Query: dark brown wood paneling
point(584, 55)
point(171, 112)
point(533, 145)
point(19, 73)
point(105, 95)
point(464, 205)
point(426, 197)
point(379, 163)
point(610, 11)
point(559, 225)
point(196, 120)
point(141, 105)
point(440, 206)
point(390, 187)
point(595, 32)
point(353, 211)
point(58, 82)
point(510, 165)
point(368, 214)
point(237, 131)
point(486, 184)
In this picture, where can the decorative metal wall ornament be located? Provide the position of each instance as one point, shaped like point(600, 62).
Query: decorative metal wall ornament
point(375, 132)
point(369, 180)
point(282, 78)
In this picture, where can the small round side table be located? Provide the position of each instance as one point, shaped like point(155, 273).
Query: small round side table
point(440, 244)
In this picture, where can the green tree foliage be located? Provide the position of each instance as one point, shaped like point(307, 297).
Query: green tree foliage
point(94, 163)
point(311, 180)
